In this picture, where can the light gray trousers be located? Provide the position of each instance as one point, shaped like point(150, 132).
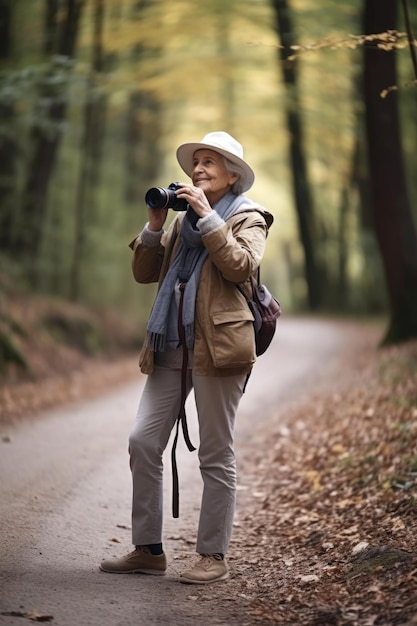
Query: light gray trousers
point(217, 400)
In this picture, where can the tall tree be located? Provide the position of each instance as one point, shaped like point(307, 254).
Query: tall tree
point(50, 112)
point(51, 24)
point(5, 18)
point(8, 143)
point(8, 171)
point(91, 149)
point(392, 216)
point(144, 117)
point(301, 185)
point(224, 16)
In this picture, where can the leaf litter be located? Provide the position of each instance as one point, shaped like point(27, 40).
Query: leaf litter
point(328, 518)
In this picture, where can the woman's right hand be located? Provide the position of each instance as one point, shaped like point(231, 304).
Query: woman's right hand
point(156, 218)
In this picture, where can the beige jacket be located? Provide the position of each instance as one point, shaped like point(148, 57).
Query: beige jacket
point(224, 339)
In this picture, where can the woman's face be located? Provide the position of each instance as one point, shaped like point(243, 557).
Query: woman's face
point(211, 175)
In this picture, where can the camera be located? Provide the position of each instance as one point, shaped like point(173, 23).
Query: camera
point(161, 198)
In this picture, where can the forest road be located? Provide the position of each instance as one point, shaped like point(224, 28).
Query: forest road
point(65, 494)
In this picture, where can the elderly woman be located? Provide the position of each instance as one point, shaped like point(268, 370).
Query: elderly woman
point(200, 336)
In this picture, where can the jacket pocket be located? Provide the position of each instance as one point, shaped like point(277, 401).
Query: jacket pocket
point(233, 341)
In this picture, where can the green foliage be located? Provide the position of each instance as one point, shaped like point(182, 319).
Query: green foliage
point(190, 68)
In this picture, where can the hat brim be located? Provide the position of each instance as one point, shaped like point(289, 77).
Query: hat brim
point(185, 155)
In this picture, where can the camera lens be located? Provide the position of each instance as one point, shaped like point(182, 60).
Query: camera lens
point(161, 198)
point(157, 198)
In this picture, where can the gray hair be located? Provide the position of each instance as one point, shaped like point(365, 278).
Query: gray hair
point(232, 168)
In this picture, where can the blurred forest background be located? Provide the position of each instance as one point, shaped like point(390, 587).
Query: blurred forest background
point(95, 96)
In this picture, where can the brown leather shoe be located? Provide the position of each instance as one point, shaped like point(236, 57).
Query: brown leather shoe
point(209, 569)
point(140, 561)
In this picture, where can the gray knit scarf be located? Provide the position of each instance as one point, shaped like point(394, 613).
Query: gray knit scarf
point(162, 326)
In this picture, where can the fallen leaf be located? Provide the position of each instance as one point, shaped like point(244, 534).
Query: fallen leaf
point(309, 578)
point(37, 616)
point(359, 547)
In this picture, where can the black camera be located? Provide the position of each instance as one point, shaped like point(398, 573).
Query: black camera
point(161, 198)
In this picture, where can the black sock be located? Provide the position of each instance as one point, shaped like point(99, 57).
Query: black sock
point(155, 548)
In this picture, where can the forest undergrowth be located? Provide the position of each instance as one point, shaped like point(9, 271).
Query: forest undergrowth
point(60, 353)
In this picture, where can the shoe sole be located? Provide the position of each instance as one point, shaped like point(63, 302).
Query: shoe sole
point(190, 581)
point(149, 572)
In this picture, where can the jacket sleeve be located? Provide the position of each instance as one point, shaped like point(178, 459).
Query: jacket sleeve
point(146, 263)
point(238, 252)
point(150, 254)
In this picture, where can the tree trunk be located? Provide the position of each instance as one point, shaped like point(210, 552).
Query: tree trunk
point(8, 143)
point(301, 186)
point(46, 136)
point(50, 29)
point(143, 154)
point(227, 88)
point(143, 151)
point(91, 152)
point(5, 18)
point(393, 220)
point(8, 175)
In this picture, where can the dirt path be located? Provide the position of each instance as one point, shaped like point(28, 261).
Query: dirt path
point(65, 494)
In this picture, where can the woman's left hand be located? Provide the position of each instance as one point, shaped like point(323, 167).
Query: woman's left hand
point(196, 198)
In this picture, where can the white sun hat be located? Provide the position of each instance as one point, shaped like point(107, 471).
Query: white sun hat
point(224, 144)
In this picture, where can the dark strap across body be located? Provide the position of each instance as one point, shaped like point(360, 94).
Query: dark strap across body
point(182, 418)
